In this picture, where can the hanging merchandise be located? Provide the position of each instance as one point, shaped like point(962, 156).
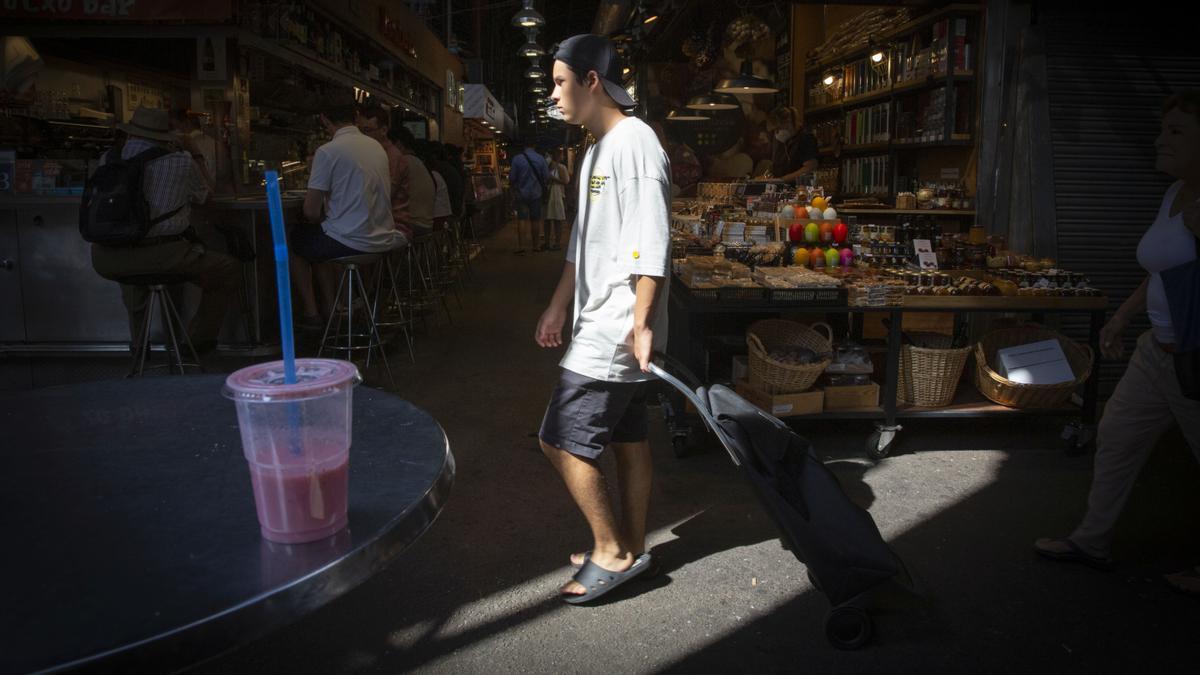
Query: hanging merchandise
point(746, 29)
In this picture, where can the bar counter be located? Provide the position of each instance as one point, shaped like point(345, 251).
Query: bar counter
point(52, 300)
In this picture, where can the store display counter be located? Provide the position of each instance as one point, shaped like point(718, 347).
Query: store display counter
point(692, 319)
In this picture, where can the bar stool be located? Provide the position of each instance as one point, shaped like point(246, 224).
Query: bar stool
point(389, 305)
point(156, 285)
point(349, 341)
point(445, 277)
point(429, 292)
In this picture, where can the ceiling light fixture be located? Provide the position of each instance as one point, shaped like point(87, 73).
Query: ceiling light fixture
point(713, 101)
point(746, 82)
point(686, 115)
point(528, 17)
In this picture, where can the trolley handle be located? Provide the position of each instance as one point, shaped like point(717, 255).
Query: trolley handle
point(692, 395)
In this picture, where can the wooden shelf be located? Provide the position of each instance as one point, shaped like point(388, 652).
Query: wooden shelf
point(911, 86)
point(869, 97)
point(820, 109)
point(856, 211)
point(1004, 303)
point(958, 143)
point(915, 24)
point(866, 147)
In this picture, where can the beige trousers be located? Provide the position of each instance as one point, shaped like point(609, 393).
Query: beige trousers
point(216, 273)
point(1143, 406)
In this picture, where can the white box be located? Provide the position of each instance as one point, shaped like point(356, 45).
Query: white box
point(1035, 363)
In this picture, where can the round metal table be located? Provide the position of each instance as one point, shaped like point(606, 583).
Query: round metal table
point(130, 529)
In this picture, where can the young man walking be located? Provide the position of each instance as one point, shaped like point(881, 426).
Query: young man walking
point(618, 259)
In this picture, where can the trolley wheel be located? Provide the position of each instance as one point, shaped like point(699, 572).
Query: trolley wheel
point(1078, 439)
point(880, 443)
point(680, 445)
point(848, 627)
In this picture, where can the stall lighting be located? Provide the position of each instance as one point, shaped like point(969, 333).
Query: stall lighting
point(685, 115)
point(877, 57)
point(746, 82)
point(532, 50)
point(650, 19)
point(828, 80)
point(713, 101)
point(528, 17)
point(626, 71)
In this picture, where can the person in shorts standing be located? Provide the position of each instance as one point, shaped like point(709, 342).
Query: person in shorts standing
point(528, 175)
point(617, 263)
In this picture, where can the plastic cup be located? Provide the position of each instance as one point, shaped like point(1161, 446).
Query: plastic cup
point(296, 438)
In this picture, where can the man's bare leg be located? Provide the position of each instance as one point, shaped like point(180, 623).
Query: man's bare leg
point(301, 272)
point(327, 281)
point(635, 471)
point(585, 482)
point(522, 225)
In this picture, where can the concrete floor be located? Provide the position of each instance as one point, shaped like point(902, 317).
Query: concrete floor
point(960, 502)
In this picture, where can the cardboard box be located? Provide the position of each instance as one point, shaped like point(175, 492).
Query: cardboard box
point(1035, 363)
point(853, 397)
point(783, 405)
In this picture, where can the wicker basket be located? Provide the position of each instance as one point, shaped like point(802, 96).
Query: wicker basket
point(929, 374)
point(773, 377)
point(1017, 395)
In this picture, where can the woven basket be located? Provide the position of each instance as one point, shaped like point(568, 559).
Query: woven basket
point(929, 374)
point(1017, 395)
point(773, 377)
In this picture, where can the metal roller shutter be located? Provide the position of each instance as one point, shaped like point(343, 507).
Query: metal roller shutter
point(1107, 76)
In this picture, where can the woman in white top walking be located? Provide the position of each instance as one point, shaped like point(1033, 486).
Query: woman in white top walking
point(556, 212)
point(1148, 399)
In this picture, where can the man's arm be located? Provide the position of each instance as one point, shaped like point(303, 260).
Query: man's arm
point(314, 204)
point(550, 326)
point(806, 168)
point(643, 318)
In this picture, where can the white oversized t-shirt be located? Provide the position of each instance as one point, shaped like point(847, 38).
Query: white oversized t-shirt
point(622, 230)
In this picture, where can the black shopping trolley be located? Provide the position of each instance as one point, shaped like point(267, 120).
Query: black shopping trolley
point(835, 538)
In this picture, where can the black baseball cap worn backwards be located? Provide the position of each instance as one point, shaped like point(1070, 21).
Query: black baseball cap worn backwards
point(588, 52)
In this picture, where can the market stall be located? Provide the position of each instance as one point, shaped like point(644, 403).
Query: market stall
point(748, 252)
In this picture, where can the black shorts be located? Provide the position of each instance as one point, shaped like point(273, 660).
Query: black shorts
point(585, 415)
point(311, 243)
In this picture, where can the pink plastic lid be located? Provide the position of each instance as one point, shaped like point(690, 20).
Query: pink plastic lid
point(263, 382)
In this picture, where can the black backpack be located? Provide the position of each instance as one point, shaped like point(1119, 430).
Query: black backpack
point(114, 210)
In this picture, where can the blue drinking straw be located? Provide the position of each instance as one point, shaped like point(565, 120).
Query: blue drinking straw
point(282, 279)
point(284, 284)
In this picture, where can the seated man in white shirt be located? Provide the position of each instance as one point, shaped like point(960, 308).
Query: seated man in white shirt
point(349, 194)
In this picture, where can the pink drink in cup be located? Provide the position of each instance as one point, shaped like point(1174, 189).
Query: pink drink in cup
point(296, 438)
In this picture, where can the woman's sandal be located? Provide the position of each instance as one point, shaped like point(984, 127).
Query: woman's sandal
point(1186, 582)
point(1065, 550)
